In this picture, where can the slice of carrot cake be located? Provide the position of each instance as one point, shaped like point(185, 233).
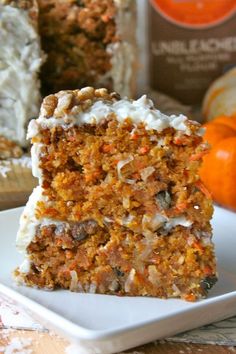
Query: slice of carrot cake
point(20, 61)
point(119, 208)
point(88, 42)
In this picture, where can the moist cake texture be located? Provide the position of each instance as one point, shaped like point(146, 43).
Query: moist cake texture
point(88, 42)
point(20, 61)
point(119, 208)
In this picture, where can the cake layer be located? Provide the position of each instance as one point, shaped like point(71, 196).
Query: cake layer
point(88, 42)
point(119, 190)
point(20, 62)
point(85, 257)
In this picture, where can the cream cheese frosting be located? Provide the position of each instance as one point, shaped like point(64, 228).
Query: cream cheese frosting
point(29, 222)
point(20, 61)
point(139, 111)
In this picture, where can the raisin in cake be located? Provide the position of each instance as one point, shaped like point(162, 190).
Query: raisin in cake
point(119, 208)
point(88, 42)
point(20, 61)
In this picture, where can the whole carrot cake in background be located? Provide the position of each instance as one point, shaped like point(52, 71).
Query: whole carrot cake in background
point(119, 208)
point(20, 62)
point(88, 42)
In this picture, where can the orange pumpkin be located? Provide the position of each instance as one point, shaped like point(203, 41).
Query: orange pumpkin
point(218, 171)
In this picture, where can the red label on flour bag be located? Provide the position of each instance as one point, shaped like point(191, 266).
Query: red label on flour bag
point(195, 13)
point(191, 43)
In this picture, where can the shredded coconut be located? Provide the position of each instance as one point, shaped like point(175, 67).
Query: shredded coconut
point(126, 220)
point(120, 165)
point(147, 172)
point(126, 202)
point(130, 280)
point(177, 291)
point(107, 219)
point(74, 281)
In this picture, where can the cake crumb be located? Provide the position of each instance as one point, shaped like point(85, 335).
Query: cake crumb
point(17, 345)
point(24, 161)
point(6, 165)
point(4, 168)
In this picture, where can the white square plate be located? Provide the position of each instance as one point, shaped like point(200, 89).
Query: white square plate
point(100, 324)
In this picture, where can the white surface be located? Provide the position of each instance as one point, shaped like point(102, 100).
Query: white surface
point(100, 324)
